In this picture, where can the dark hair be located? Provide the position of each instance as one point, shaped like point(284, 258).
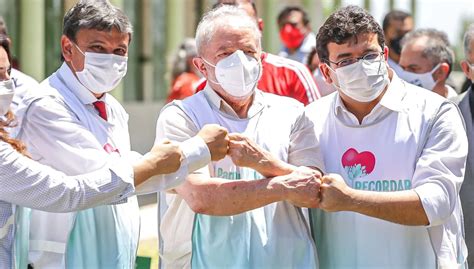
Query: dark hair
point(5, 44)
point(394, 15)
point(286, 12)
point(95, 14)
point(344, 24)
point(235, 3)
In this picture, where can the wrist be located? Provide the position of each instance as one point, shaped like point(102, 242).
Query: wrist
point(352, 201)
point(278, 188)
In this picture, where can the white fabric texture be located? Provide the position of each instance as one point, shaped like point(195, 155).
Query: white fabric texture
point(434, 128)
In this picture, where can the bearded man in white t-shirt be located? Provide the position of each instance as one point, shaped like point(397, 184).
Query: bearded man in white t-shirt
point(395, 157)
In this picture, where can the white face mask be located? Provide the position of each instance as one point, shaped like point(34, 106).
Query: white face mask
point(102, 72)
point(238, 74)
point(424, 80)
point(7, 90)
point(362, 81)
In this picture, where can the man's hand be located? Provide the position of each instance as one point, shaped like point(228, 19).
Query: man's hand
point(216, 139)
point(246, 153)
point(165, 158)
point(335, 194)
point(301, 187)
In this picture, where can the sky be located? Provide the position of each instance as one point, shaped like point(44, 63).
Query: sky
point(445, 15)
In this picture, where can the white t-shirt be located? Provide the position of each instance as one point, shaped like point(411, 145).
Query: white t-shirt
point(397, 147)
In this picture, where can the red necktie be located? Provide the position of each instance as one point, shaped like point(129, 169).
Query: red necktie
point(100, 106)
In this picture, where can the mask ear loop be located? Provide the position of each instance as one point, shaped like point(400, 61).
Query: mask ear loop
point(208, 63)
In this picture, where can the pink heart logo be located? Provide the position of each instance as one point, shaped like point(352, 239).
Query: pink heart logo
point(365, 161)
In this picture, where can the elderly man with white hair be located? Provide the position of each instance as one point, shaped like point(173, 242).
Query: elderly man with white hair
point(244, 211)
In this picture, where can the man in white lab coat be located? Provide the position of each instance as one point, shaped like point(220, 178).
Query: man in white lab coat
point(73, 125)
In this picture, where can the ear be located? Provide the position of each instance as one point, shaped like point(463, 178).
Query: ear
point(326, 72)
point(66, 48)
point(465, 68)
point(442, 72)
point(199, 64)
point(260, 24)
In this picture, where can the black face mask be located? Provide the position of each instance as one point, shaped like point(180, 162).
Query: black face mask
point(395, 45)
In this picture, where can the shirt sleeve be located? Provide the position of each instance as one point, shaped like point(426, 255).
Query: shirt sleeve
point(28, 183)
point(196, 155)
point(439, 171)
point(304, 147)
point(175, 125)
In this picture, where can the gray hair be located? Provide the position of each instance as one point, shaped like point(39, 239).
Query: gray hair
point(95, 14)
point(226, 17)
point(436, 49)
point(468, 38)
point(186, 50)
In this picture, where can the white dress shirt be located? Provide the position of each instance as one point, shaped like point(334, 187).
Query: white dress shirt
point(23, 84)
point(70, 136)
point(27, 183)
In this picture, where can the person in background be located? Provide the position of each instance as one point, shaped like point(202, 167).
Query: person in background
point(235, 213)
point(466, 105)
point(395, 26)
point(73, 124)
point(295, 34)
point(184, 76)
point(23, 82)
point(313, 65)
point(394, 157)
point(280, 76)
point(427, 60)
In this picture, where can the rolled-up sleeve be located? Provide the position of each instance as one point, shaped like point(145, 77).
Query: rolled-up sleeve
point(439, 171)
point(27, 183)
point(175, 125)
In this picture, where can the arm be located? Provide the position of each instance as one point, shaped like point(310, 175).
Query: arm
point(198, 148)
point(403, 207)
point(303, 150)
point(215, 196)
point(27, 183)
point(436, 181)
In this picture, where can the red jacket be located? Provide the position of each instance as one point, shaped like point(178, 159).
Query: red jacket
point(285, 77)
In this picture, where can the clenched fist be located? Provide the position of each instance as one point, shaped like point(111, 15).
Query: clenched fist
point(244, 152)
point(301, 187)
point(165, 157)
point(216, 139)
point(335, 194)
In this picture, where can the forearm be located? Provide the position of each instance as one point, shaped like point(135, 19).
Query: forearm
point(272, 167)
point(221, 197)
point(403, 207)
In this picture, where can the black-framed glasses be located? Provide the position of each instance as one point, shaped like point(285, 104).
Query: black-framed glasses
point(368, 57)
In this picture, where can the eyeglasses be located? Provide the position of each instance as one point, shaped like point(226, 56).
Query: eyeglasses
point(368, 57)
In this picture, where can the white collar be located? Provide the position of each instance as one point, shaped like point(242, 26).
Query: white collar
point(218, 102)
